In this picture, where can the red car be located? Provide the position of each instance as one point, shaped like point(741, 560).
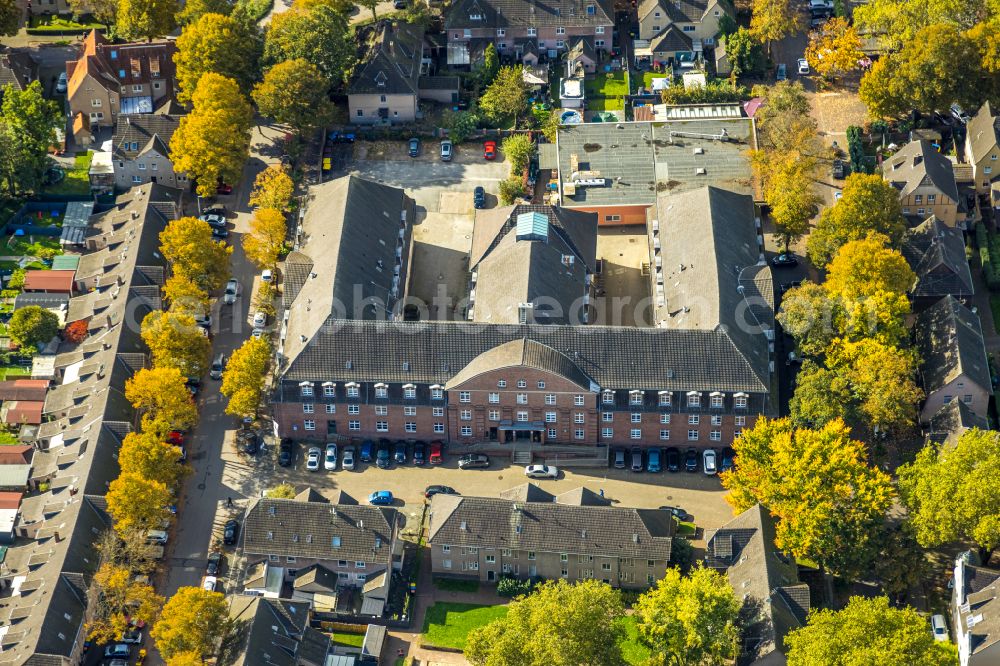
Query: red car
point(490, 150)
point(435, 458)
point(176, 438)
point(224, 189)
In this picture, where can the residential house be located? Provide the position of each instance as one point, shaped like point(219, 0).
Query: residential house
point(518, 27)
point(44, 7)
point(109, 80)
point(359, 546)
point(581, 58)
point(17, 69)
point(679, 30)
point(926, 182)
point(275, 632)
point(949, 339)
point(936, 253)
point(982, 148)
point(384, 89)
point(485, 539)
point(141, 151)
point(952, 421)
point(975, 612)
point(766, 579)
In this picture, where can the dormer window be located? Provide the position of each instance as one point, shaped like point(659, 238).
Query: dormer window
point(381, 391)
point(306, 389)
point(532, 32)
point(591, 10)
point(380, 79)
point(694, 399)
point(475, 17)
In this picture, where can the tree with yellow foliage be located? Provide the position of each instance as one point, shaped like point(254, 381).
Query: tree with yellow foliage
point(834, 48)
point(114, 598)
point(161, 394)
point(176, 341)
point(294, 92)
point(212, 142)
point(243, 379)
point(266, 239)
point(184, 295)
point(193, 621)
point(188, 245)
point(216, 43)
point(137, 503)
point(187, 658)
point(144, 19)
point(272, 188)
point(773, 20)
point(147, 455)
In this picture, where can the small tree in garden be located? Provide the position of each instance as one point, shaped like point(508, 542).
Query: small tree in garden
point(76, 331)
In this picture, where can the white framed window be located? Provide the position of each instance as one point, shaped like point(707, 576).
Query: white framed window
point(716, 420)
point(382, 426)
point(664, 398)
point(551, 433)
point(438, 428)
point(501, 383)
point(741, 420)
point(550, 398)
point(578, 417)
point(608, 398)
point(737, 434)
point(635, 397)
point(136, 179)
point(599, 30)
point(501, 32)
point(306, 390)
point(410, 392)
point(466, 431)
point(494, 398)
point(494, 415)
point(607, 433)
point(550, 417)
point(329, 390)
point(665, 435)
point(560, 30)
point(381, 391)
point(409, 410)
point(540, 384)
point(522, 398)
point(353, 391)
point(665, 418)
point(354, 425)
point(96, 103)
point(715, 435)
point(353, 409)
point(381, 410)
point(608, 417)
point(692, 435)
point(464, 396)
point(309, 424)
point(716, 401)
point(635, 433)
point(931, 198)
point(308, 408)
point(521, 383)
point(532, 32)
point(986, 170)
point(578, 400)
point(410, 426)
point(689, 28)
point(694, 399)
point(740, 401)
point(465, 415)
point(331, 408)
point(636, 417)
point(137, 88)
point(447, 564)
point(578, 434)
point(694, 419)
point(522, 417)
point(599, 43)
point(142, 166)
point(437, 411)
point(437, 393)
point(560, 44)
point(491, 559)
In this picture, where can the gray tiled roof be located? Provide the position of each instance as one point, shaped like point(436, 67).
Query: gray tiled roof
point(527, 492)
point(744, 547)
point(615, 357)
point(983, 133)
point(936, 253)
point(388, 60)
point(981, 591)
point(548, 527)
point(529, 13)
point(683, 11)
point(949, 338)
point(146, 131)
point(523, 352)
point(578, 229)
point(17, 69)
point(316, 578)
point(669, 40)
point(274, 632)
point(953, 420)
point(310, 529)
point(918, 163)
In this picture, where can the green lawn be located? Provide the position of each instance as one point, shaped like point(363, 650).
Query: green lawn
point(11, 371)
point(633, 651)
point(60, 24)
point(77, 180)
point(448, 625)
point(348, 640)
point(606, 91)
point(686, 529)
point(30, 245)
point(8, 439)
point(453, 585)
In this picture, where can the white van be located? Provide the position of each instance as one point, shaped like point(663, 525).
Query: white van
point(156, 536)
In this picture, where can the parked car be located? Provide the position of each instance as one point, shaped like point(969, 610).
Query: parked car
point(380, 498)
point(479, 198)
point(382, 457)
point(709, 462)
point(232, 291)
point(473, 461)
point(619, 458)
point(223, 188)
point(132, 635)
point(118, 651)
point(414, 147)
point(285, 452)
point(209, 583)
point(958, 114)
point(347, 461)
point(541, 472)
point(782, 72)
point(636, 457)
point(676, 512)
point(431, 491)
point(249, 441)
point(653, 457)
point(728, 459)
point(341, 137)
point(435, 458)
point(691, 460)
point(490, 150)
point(419, 453)
point(399, 452)
point(218, 365)
point(673, 457)
point(259, 319)
point(446, 151)
point(175, 437)
point(939, 628)
point(61, 83)
point(803, 66)
point(204, 320)
point(784, 260)
point(214, 564)
point(330, 460)
point(367, 447)
point(312, 458)
point(838, 169)
point(214, 221)
point(230, 531)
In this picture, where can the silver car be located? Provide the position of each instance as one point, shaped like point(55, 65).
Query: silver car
point(347, 462)
point(232, 291)
point(313, 457)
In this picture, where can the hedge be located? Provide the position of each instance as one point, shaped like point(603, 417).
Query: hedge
point(989, 256)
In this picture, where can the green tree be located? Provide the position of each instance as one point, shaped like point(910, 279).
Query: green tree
point(901, 564)
point(952, 492)
point(29, 121)
point(510, 190)
point(784, 121)
point(883, 90)
point(294, 92)
point(188, 245)
point(32, 325)
point(867, 631)
point(490, 65)
point(219, 44)
point(864, 268)
point(821, 396)
point(147, 456)
point(868, 204)
point(193, 620)
point(10, 18)
point(318, 35)
point(176, 341)
point(103, 11)
point(690, 619)
point(137, 503)
point(161, 393)
point(829, 503)
point(194, 9)
point(518, 149)
point(898, 21)
point(243, 378)
point(282, 491)
point(811, 315)
point(744, 53)
point(506, 97)
point(579, 623)
point(266, 239)
point(773, 20)
point(460, 124)
point(144, 19)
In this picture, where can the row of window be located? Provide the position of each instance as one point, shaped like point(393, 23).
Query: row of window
point(380, 426)
point(563, 557)
point(693, 435)
point(532, 32)
point(343, 564)
point(380, 410)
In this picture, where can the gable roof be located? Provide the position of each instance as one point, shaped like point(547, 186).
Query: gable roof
point(976, 604)
point(759, 573)
point(17, 68)
point(275, 632)
point(682, 11)
point(582, 48)
point(953, 420)
point(949, 338)
point(42, 280)
point(602, 531)
point(936, 253)
point(389, 60)
point(16, 455)
point(320, 530)
point(146, 132)
point(23, 389)
point(672, 38)
point(578, 229)
point(919, 164)
point(118, 65)
point(529, 13)
point(522, 353)
point(983, 133)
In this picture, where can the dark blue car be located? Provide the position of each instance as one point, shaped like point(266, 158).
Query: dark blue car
point(366, 450)
point(653, 463)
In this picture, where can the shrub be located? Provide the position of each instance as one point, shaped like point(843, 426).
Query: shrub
point(460, 125)
point(16, 279)
point(510, 190)
point(714, 92)
point(513, 587)
point(75, 331)
point(855, 150)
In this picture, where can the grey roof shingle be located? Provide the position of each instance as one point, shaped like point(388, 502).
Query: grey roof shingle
point(936, 253)
point(17, 69)
point(669, 40)
point(146, 132)
point(983, 133)
point(978, 606)
point(388, 60)
point(275, 632)
point(682, 11)
point(953, 420)
point(311, 530)
point(529, 13)
point(919, 163)
point(578, 229)
point(548, 527)
point(949, 338)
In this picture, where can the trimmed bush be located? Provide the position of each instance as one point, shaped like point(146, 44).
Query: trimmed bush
point(513, 587)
